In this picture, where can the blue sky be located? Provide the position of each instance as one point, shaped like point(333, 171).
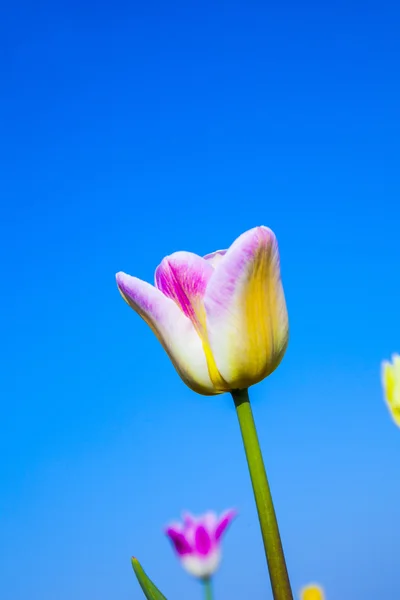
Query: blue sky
point(129, 131)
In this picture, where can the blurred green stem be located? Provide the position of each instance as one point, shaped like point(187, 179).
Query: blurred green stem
point(208, 595)
point(266, 513)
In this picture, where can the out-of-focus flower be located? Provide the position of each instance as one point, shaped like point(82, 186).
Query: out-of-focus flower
point(197, 541)
point(390, 373)
point(312, 592)
point(221, 318)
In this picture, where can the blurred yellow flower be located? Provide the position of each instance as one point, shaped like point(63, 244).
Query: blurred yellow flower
point(312, 592)
point(390, 374)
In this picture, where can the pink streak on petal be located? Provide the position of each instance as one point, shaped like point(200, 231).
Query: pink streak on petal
point(202, 541)
point(224, 521)
point(179, 541)
point(183, 277)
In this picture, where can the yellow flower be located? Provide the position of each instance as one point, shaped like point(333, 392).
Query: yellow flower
point(312, 592)
point(390, 374)
point(221, 318)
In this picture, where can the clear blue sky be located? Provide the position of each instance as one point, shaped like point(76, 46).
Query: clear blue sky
point(128, 131)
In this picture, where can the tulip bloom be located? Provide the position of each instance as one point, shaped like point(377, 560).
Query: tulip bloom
point(390, 374)
point(197, 542)
point(221, 318)
point(312, 592)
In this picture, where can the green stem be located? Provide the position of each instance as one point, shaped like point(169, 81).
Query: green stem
point(208, 595)
point(266, 514)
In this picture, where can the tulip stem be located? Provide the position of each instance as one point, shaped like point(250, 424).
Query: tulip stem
point(266, 514)
point(208, 595)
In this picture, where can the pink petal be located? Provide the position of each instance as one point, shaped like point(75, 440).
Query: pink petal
point(247, 322)
point(188, 519)
point(189, 527)
point(224, 521)
point(209, 520)
point(179, 541)
point(183, 277)
point(203, 541)
point(173, 329)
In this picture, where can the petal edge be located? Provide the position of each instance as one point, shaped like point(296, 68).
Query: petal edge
point(172, 328)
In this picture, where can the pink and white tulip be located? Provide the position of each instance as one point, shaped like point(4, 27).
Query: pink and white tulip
point(221, 318)
point(197, 542)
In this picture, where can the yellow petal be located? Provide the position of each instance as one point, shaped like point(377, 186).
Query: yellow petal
point(247, 321)
point(390, 375)
point(388, 381)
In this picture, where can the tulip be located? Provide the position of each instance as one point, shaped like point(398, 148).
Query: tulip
point(312, 592)
point(221, 318)
point(197, 542)
point(390, 374)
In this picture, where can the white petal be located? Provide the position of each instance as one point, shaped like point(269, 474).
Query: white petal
point(202, 567)
point(173, 329)
point(247, 322)
point(215, 257)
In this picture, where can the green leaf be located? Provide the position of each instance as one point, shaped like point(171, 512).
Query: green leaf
point(150, 590)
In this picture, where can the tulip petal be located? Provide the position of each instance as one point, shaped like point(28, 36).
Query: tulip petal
point(188, 519)
point(210, 521)
point(183, 277)
point(202, 567)
point(391, 386)
point(202, 541)
point(215, 257)
point(179, 541)
point(388, 381)
point(174, 330)
point(223, 523)
point(247, 320)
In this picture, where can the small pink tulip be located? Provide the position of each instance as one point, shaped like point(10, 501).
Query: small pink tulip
point(197, 541)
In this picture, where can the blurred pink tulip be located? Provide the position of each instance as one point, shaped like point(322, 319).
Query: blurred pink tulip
point(197, 541)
